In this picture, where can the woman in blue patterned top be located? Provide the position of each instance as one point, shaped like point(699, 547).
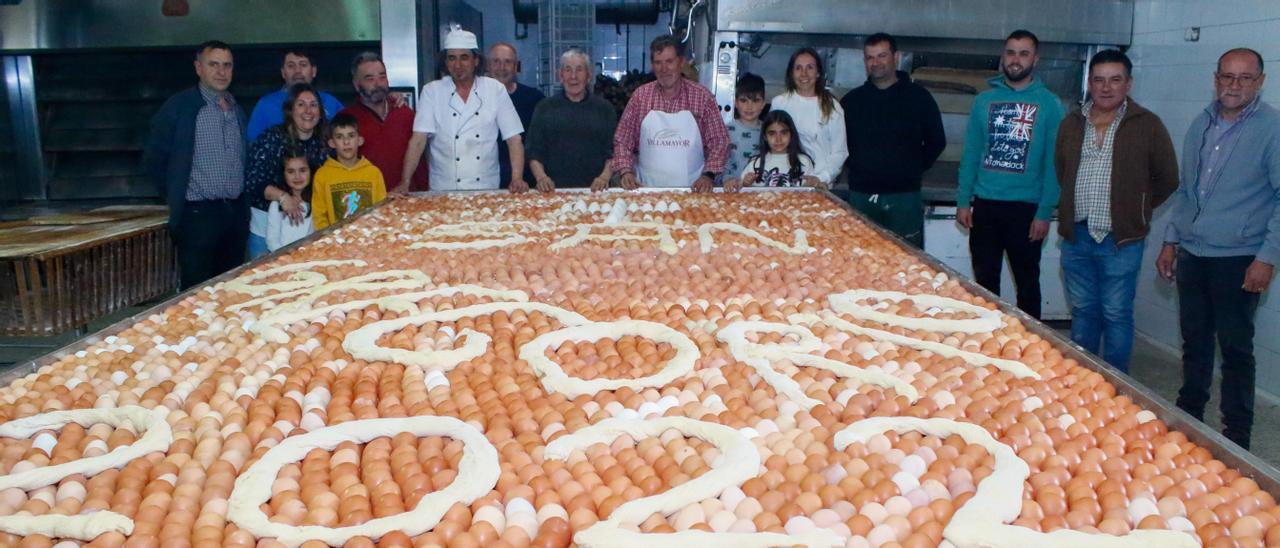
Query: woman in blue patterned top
point(304, 127)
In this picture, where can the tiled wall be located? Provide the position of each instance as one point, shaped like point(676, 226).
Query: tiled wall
point(1174, 78)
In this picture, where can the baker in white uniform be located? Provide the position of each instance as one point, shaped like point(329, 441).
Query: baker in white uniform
point(462, 115)
point(671, 133)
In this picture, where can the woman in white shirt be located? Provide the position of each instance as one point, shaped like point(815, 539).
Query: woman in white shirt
point(818, 117)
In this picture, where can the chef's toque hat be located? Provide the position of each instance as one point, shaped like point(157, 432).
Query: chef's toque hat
point(459, 39)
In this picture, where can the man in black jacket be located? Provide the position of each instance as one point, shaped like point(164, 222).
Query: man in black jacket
point(895, 133)
point(195, 155)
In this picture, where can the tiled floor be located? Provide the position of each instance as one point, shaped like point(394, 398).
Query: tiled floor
point(1157, 367)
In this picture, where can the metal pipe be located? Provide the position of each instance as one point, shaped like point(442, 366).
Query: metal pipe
point(688, 28)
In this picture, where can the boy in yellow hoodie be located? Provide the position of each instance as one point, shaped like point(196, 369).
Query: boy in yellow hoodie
point(348, 183)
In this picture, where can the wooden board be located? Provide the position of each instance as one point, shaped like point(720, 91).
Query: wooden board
point(44, 239)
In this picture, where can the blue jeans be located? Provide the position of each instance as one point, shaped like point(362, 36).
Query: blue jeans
point(257, 246)
point(1101, 282)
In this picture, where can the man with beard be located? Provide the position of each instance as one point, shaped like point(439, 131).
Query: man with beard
point(385, 125)
point(1008, 188)
point(462, 115)
point(894, 133)
point(296, 69)
point(503, 64)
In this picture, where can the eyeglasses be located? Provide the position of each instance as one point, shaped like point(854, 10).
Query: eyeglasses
point(1245, 80)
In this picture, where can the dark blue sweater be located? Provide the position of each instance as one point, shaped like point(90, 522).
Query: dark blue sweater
point(894, 135)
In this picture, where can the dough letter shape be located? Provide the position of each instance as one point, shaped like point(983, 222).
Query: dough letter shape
point(739, 461)
point(983, 521)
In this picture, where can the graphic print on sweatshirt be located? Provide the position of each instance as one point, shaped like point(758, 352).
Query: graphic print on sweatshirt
point(1009, 131)
point(778, 177)
point(348, 198)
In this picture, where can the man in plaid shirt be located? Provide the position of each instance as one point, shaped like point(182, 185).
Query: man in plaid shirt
point(195, 155)
point(1115, 163)
point(671, 133)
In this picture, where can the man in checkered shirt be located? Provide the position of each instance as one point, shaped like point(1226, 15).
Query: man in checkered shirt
point(671, 133)
point(195, 154)
point(1115, 163)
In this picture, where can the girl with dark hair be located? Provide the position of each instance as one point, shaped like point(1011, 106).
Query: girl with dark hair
point(782, 161)
point(819, 119)
point(305, 127)
point(294, 180)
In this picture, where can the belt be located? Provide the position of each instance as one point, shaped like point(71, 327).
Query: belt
point(216, 201)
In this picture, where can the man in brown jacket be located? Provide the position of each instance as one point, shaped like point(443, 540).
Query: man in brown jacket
point(1115, 163)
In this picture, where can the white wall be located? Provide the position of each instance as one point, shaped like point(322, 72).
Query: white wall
point(1174, 78)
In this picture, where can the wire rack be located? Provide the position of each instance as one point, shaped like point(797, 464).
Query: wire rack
point(562, 24)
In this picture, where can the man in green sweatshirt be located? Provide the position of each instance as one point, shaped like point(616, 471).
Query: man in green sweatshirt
point(1008, 188)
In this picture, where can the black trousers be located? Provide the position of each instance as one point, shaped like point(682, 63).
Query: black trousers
point(211, 238)
point(1001, 227)
point(1212, 305)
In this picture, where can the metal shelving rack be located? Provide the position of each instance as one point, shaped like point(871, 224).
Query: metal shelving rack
point(562, 24)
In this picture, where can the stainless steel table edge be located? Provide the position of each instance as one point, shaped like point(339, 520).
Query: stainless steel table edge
point(1267, 476)
point(22, 369)
point(1234, 456)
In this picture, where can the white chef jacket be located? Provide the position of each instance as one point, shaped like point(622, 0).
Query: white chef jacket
point(464, 134)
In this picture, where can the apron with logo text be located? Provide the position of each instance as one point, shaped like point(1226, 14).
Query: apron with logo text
point(670, 152)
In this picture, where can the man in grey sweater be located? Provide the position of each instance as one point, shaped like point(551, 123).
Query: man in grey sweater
point(571, 135)
point(1223, 239)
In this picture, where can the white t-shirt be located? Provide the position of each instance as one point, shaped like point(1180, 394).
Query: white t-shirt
point(825, 142)
point(281, 231)
point(777, 170)
point(464, 134)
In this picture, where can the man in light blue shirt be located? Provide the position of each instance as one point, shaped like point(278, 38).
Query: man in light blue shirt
point(297, 69)
point(1223, 239)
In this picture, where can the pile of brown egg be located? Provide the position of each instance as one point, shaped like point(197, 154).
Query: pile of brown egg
point(1098, 462)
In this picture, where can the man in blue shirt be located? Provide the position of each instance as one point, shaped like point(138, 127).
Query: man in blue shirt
point(1223, 239)
point(297, 69)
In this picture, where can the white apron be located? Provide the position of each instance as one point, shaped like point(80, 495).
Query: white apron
point(670, 152)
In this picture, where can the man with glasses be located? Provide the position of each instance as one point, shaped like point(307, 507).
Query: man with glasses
point(1223, 238)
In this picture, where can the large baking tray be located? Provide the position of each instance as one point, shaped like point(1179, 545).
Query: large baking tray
point(1266, 475)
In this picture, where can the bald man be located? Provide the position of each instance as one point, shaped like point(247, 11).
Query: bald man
point(1223, 239)
point(502, 63)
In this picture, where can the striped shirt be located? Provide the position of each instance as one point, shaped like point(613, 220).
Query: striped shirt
point(1093, 178)
point(1219, 140)
point(217, 163)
